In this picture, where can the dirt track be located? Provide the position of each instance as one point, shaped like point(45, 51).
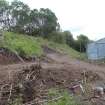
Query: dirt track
point(57, 70)
point(77, 64)
point(60, 61)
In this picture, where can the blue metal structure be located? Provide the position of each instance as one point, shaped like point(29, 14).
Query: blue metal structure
point(96, 50)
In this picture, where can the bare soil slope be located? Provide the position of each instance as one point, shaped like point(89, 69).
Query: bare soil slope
point(60, 72)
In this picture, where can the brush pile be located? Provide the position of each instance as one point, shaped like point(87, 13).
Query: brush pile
point(31, 83)
point(25, 84)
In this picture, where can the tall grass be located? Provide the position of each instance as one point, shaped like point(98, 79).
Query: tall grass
point(17, 42)
point(32, 46)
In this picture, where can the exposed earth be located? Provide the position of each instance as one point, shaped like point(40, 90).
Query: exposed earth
point(57, 70)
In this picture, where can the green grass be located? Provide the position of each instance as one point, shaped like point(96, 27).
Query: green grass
point(66, 98)
point(63, 48)
point(31, 46)
point(27, 44)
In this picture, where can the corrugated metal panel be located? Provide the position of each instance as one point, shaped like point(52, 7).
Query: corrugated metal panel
point(92, 51)
point(96, 50)
point(101, 51)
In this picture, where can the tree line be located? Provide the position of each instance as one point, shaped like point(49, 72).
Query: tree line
point(18, 17)
point(79, 44)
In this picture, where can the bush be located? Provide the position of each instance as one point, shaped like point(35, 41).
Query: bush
point(69, 38)
point(57, 37)
point(81, 43)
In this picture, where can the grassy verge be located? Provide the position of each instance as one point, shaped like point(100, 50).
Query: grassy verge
point(63, 48)
point(27, 44)
point(31, 46)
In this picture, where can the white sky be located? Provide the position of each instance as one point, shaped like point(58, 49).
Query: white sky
point(79, 16)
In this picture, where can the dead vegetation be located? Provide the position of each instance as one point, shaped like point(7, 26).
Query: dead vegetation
point(25, 84)
point(31, 84)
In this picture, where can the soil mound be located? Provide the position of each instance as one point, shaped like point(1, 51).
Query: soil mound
point(7, 56)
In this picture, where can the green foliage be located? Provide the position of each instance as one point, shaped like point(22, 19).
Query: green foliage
point(49, 21)
point(53, 93)
point(63, 48)
point(66, 99)
point(3, 4)
point(20, 14)
point(69, 38)
point(31, 46)
point(81, 43)
point(57, 37)
point(22, 44)
point(18, 17)
point(4, 11)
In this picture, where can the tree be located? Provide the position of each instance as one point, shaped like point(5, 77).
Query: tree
point(32, 28)
point(81, 43)
point(4, 14)
point(42, 22)
point(20, 15)
point(47, 22)
point(69, 38)
point(57, 37)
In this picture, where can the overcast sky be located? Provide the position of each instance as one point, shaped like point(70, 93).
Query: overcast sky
point(79, 16)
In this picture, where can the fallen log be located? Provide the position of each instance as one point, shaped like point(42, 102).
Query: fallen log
point(20, 58)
